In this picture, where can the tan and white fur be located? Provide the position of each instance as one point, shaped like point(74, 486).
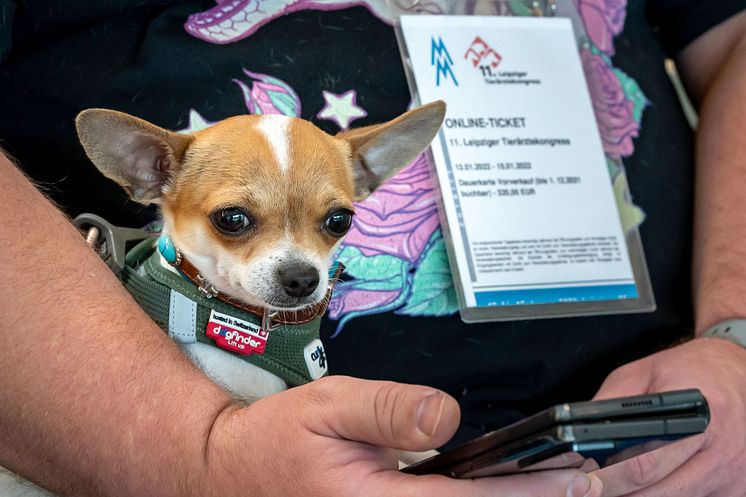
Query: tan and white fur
point(286, 176)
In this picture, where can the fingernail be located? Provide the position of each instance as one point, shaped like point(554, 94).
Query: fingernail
point(429, 412)
point(597, 486)
point(579, 486)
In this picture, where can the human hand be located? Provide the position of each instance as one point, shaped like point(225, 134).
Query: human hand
point(339, 436)
point(710, 464)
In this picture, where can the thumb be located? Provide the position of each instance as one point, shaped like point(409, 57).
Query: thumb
point(382, 413)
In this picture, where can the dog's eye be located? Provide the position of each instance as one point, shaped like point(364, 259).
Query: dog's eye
point(338, 222)
point(231, 220)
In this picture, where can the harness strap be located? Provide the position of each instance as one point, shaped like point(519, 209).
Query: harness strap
point(292, 352)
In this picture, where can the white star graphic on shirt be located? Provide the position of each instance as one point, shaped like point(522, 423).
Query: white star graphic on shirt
point(341, 109)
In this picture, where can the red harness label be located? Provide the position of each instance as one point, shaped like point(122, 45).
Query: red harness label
point(235, 334)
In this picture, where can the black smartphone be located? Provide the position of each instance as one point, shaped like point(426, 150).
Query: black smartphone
point(565, 435)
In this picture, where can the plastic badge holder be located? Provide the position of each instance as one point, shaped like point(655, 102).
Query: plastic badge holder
point(445, 183)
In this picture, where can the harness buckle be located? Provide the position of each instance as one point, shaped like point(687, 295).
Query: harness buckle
point(267, 320)
point(108, 240)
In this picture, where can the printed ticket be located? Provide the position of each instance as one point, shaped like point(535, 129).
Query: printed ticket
point(526, 194)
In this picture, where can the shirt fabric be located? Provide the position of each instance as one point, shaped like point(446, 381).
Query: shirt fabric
point(679, 22)
point(393, 316)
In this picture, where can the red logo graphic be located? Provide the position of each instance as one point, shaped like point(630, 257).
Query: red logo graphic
point(481, 54)
point(241, 341)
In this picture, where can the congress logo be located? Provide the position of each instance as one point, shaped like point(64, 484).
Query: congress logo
point(441, 59)
point(483, 56)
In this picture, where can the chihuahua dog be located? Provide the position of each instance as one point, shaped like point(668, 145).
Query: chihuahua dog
point(257, 204)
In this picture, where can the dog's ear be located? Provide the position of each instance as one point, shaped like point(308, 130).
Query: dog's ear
point(140, 156)
point(379, 151)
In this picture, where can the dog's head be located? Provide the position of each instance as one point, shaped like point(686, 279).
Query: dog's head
point(257, 203)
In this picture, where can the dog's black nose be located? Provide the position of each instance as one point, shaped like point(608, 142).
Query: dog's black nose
point(299, 281)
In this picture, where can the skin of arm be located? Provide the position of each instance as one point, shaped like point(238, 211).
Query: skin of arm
point(95, 400)
point(713, 69)
point(82, 364)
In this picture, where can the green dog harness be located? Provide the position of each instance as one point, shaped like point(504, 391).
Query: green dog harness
point(290, 349)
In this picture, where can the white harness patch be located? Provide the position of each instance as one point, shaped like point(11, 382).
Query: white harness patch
point(182, 318)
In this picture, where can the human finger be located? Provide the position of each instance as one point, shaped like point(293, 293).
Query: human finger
point(589, 465)
point(691, 480)
point(630, 379)
point(554, 483)
point(386, 414)
point(566, 460)
point(647, 469)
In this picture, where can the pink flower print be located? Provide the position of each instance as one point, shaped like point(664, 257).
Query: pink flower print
point(614, 111)
point(399, 217)
point(359, 301)
point(603, 19)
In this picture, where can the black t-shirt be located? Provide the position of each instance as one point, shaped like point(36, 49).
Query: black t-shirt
point(394, 316)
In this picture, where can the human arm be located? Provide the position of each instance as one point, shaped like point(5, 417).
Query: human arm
point(88, 380)
point(713, 68)
point(720, 220)
point(95, 400)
